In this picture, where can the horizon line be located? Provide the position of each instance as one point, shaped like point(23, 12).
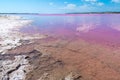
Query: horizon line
point(70, 13)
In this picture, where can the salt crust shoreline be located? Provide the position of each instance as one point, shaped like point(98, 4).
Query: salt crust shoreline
point(10, 38)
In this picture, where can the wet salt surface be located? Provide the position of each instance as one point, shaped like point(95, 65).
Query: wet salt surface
point(97, 28)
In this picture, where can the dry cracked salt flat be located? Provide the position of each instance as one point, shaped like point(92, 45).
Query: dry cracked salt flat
point(60, 47)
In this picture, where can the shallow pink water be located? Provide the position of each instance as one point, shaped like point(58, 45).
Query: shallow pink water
point(96, 28)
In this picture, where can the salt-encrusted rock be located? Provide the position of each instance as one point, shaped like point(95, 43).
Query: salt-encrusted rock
point(14, 69)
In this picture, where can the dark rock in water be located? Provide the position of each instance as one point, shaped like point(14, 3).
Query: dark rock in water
point(34, 51)
point(24, 41)
point(11, 56)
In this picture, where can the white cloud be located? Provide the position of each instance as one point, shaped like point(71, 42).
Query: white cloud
point(93, 5)
point(75, 8)
point(100, 4)
point(51, 3)
point(90, 0)
point(65, 2)
point(94, 2)
point(86, 8)
point(116, 1)
point(70, 6)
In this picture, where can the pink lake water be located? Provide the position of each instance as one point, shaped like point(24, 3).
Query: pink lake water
point(95, 28)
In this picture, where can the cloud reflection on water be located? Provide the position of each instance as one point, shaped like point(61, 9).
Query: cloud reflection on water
point(115, 26)
point(85, 27)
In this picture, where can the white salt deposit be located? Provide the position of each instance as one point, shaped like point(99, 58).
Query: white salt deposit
point(9, 26)
point(9, 23)
point(10, 38)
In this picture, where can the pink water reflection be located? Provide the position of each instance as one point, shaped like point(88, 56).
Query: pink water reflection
point(96, 28)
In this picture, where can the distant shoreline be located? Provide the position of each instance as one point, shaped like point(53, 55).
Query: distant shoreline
point(64, 13)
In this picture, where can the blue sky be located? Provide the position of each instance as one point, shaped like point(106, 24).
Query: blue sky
point(58, 6)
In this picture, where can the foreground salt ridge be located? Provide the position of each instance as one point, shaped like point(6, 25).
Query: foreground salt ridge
point(14, 69)
point(10, 38)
